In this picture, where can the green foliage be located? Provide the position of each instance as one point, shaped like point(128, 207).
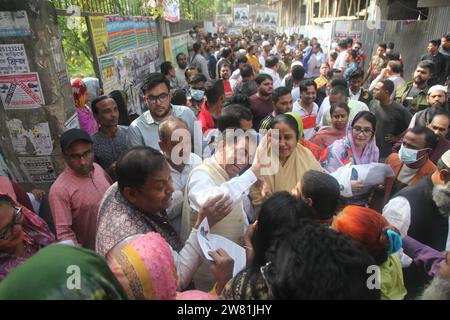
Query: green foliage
point(76, 48)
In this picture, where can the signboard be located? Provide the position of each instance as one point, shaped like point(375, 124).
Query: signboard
point(13, 59)
point(22, 91)
point(241, 16)
point(38, 169)
point(99, 34)
point(266, 20)
point(172, 10)
point(14, 24)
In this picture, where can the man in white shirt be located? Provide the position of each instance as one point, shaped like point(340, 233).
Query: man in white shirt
point(220, 175)
point(338, 94)
point(181, 69)
point(421, 211)
point(272, 70)
point(341, 61)
point(199, 61)
point(181, 162)
point(306, 108)
point(391, 72)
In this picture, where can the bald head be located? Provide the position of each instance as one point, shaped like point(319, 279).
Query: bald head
point(175, 140)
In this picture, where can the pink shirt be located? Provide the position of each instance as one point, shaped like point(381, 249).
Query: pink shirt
point(74, 201)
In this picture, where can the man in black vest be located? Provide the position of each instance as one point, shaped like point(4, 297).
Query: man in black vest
point(422, 212)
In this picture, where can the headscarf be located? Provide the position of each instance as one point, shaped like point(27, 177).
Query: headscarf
point(85, 117)
point(62, 272)
point(145, 267)
point(79, 89)
point(288, 175)
point(341, 152)
point(93, 88)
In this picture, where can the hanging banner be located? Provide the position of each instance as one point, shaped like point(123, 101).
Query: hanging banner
point(223, 22)
point(241, 16)
point(13, 59)
point(99, 34)
point(14, 24)
point(172, 11)
point(22, 91)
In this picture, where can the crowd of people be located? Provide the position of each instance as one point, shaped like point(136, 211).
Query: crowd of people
point(265, 137)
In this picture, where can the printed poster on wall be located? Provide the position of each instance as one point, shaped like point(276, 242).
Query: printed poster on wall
point(174, 46)
point(35, 141)
point(172, 10)
point(108, 73)
point(99, 34)
point(14, 24)
point(241, 16)
point(21, 91)
point(38, 169)
point(13, 59)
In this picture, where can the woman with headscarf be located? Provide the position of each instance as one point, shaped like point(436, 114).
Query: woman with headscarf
point(85, 117)
point(22, 232)
point(358, 147)
point(61, 272)
point(145, 266)
point(121, 99)
point(292, 157)
point(372, 231)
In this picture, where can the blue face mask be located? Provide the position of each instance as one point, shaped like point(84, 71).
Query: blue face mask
point(197, 95)
point(409, 156)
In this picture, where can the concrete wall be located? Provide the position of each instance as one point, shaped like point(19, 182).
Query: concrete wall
point(33, 158)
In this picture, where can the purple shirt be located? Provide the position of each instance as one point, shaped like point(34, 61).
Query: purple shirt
point(260, 109)
point(425, 257)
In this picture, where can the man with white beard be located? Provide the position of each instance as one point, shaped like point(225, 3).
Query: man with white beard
point(439, 288)
point(422, 212)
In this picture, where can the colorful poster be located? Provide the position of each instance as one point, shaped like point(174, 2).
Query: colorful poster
point(22, 91)
point(174, 46)
point(172, 10)
point(35, 141)
point(241, 16)
point(13, 59)
point(108, 73)
point(14, 24)
point(99, 34)
point(113, 28)
point(38, 169)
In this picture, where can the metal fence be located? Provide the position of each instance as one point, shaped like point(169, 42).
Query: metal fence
point(410, 38)
point(122, 7)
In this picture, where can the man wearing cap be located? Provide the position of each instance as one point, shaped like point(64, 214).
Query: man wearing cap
point(265, 52)
point(422, 212)
point(77, 192)
point(437, 99)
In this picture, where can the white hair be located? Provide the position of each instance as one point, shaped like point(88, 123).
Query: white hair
point(441, 197)
point(438, 289)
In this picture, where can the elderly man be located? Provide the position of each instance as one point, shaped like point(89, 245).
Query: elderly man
point(440, 124)
point(76, 194)
point(219, 175)
point(420, 208)
point(437, 99)
point(137, 203)
point(175, 143)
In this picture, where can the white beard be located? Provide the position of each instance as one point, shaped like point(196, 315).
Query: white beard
point(438, 289)
point(441, 197)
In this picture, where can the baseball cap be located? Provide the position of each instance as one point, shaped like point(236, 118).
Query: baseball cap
point(73, 135)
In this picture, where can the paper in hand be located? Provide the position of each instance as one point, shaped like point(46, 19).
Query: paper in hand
point(210, 242)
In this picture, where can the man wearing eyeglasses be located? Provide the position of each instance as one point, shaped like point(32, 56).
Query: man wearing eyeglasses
point(76, 194)
point(144, 130)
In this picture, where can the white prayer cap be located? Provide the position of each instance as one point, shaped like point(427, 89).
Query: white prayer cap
point(446, 158)
point(296, 63)
point(266, 43)
point(438, 87)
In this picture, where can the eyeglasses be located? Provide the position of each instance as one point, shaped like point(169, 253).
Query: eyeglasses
point(365, 131)
point(77, 157)
point(161, 98)
point(7, 231)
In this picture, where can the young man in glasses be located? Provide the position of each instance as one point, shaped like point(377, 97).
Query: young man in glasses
point(76, 194)
point(156, 92)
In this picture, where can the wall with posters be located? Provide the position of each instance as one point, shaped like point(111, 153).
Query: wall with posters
point(36, 102)
point(130, 51)
point(175, 45)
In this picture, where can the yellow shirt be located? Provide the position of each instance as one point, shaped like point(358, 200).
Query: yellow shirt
point(254, 62)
